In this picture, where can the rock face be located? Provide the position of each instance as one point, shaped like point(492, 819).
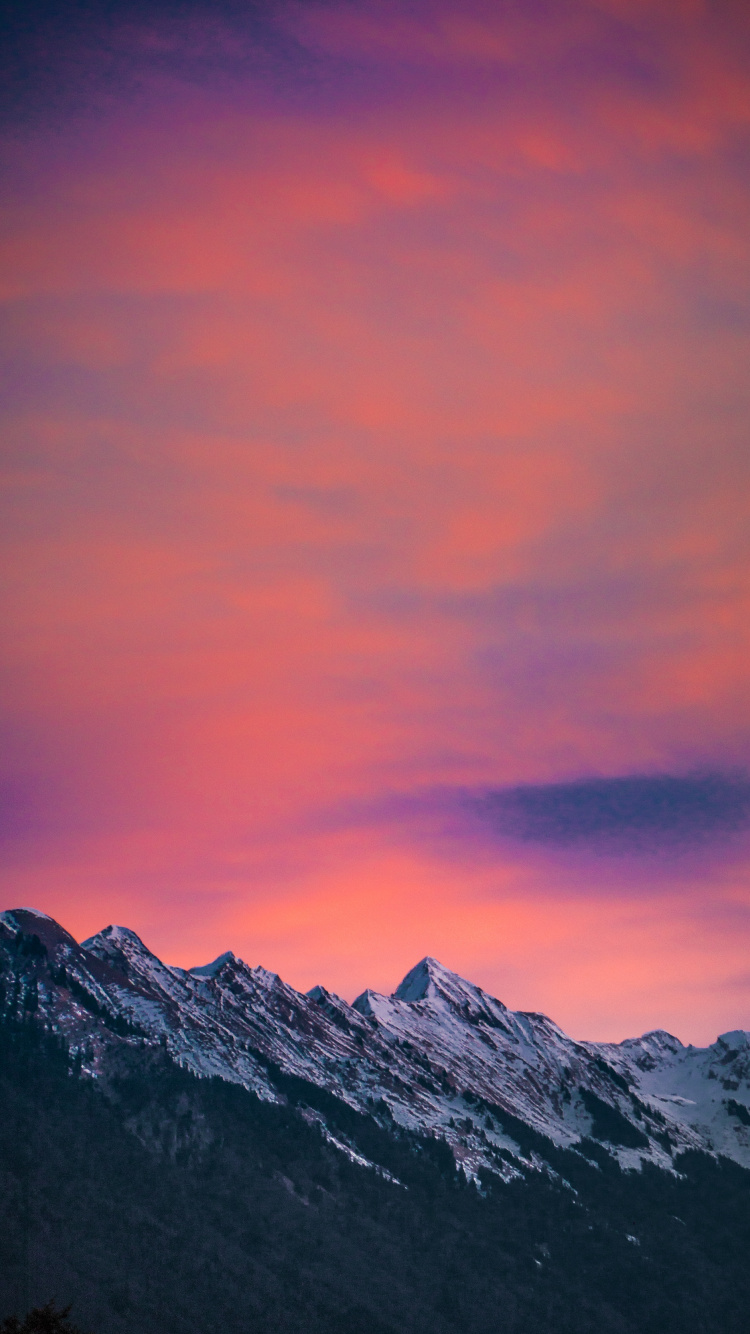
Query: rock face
point(439, 1057)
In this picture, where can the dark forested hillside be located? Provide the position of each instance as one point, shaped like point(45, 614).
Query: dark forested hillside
point(152, 1200)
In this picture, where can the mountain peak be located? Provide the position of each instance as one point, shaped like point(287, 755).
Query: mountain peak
point(30, 921)
point(116, 943)
point(211, 969)
point(12, 913)
point(431, 981)
point(425, 980)
point(118, 935)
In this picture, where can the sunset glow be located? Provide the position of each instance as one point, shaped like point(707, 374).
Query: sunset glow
point(376, 439)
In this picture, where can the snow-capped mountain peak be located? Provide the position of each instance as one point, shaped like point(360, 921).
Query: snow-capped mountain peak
point(122, 949)
point(14, 916)
point(431, 981)
point(112, 938)
point(211, 969)
point(428, 979)
point(31, 922)
point(734, 1039)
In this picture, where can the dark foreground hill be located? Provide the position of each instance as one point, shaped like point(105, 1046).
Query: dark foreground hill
point(160, 1203)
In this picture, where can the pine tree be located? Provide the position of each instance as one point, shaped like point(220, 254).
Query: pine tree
point(42, 1320)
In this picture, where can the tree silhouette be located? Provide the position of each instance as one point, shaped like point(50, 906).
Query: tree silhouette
point(42, 1320)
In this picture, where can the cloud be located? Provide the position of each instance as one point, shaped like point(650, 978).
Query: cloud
point(377, 423)
point(635, 812)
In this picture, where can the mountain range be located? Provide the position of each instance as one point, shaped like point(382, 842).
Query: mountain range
point(439, 1058)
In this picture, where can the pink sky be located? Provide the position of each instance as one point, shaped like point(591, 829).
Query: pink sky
point(376, 437)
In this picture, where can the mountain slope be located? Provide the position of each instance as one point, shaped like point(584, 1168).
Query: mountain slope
point(157, 1201)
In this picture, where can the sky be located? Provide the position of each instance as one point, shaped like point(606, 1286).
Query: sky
point(375, 492)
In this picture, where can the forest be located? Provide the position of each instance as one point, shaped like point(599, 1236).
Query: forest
point(151, 1199)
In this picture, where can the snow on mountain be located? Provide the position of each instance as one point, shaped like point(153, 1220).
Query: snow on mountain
point(211, 969)
point(439, 1056)
point(704, 1088)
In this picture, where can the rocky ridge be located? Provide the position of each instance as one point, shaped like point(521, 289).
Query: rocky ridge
point(440, 1057)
